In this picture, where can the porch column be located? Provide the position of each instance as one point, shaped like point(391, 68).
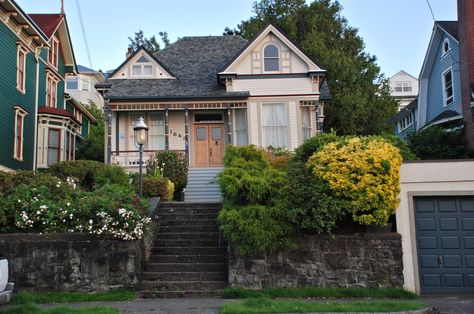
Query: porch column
point(319, 116)
point(108, 143)
point(167, 130)
point(229, 124)
point(117, 132)
point(186, 131)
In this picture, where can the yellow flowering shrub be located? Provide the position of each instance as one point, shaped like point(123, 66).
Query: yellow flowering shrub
point(363, 171)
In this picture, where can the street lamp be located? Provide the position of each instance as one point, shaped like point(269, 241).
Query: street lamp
point(141, 134)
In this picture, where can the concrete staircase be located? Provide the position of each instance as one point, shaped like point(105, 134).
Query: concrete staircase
point(200, 187)
point(188, 259)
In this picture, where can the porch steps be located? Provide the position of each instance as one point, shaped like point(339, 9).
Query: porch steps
point(201, 187)
point(188, 258)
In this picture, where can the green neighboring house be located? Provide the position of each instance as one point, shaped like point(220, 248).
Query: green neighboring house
point(39, 123)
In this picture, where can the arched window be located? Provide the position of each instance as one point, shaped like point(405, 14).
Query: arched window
point(271, 58)
point(446, 47)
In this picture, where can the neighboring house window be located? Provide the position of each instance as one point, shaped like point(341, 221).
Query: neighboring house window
point(448, 87)
point(402, 86)
point(240, 127)
point(51, 91)
point(406, 122)
point(157, 131)
point(54, 140)
point(271, 58)
point(446, 47)
point(274, 125)
point(86, 85)
point(20, 68)
point(72, 83)
point(306, 117)
point(54, 52)
point(19, 127)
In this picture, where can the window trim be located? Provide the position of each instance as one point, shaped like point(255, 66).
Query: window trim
point(19, 113)
point(443, 82)
point(278, 58)
point(142, 66)
point(51, 85)
point(21, 51)
point(444, 51)
point(53, 55)
point(306, 128)
point(263, 126)
point(70, 79)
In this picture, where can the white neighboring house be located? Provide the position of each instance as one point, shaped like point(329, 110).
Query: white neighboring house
point(81, 87)
point(404, 88)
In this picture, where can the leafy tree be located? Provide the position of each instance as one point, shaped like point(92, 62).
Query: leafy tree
point(92, 147)
point(361, 102)
point(151, 44)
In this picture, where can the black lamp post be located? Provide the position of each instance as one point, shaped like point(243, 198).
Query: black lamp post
point(141, 134)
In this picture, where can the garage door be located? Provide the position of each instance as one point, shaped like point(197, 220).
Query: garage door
point(445, 243)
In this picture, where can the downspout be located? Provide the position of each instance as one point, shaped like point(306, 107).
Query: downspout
point(35, 139)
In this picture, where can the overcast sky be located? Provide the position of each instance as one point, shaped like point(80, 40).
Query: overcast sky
point(397, 32)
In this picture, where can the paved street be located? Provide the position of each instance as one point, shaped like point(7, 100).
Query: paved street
point(449, 304)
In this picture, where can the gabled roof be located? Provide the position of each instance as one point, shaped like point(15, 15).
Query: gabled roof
point(52, 23)
point(194, 61)
point(403, 73)
point(111, 75)
point(440, 27)
point(49, 23)
point(280, 34)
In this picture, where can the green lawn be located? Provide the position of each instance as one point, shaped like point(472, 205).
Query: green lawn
point(316, 292)
point(265, 305)
point(33, 309)
point(70, 297)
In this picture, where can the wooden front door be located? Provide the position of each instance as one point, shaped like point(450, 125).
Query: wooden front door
point(208, 144)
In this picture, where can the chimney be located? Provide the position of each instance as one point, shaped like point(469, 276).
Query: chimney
point(129, 52)
point(466, 52)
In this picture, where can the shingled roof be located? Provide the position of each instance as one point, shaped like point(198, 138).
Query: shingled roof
point(451, 27)
point(195, 61)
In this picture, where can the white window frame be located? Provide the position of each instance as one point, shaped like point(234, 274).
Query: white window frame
point(264, 127)
point(51, 91)
point(70, 79)
point(19, 112)
point(53, 56)
point(142, 66)
point(20, 84)
point(153, 130)
point(445, 52)
point(85, 83)
point(307, 129)
point(443, 81)
point(240, 129)
point(278, 58)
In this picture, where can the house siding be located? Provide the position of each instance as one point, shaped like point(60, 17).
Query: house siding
point(11, 97)
point(435, 85)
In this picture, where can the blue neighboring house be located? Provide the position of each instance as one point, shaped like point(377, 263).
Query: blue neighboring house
point(439, 99)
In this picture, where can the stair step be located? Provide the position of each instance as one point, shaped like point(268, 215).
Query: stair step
point(177, 259)
point(185, 276)
point(154, 294)
point(188, 236)
point(188, 211)
point(183, 285)
point(161, 243)
point(190, 251)
point(208, 205)
point(190, 229)
point(197, 222)
point(186, 216)
point(185, 267)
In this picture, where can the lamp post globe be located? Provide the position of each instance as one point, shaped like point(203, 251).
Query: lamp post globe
point(141, 134)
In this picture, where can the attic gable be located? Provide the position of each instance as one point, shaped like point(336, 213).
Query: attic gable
point(271, 52)
point(142, 65)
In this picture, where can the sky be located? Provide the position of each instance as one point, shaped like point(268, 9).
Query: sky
point(397, 32)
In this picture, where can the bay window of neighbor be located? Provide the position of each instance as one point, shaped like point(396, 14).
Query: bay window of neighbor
point(240, 127)
point(274, 125)
point(306, 119)
point(156, 131)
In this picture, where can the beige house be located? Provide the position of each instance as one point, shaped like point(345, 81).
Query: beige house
point(201, 93)
point(404, 88)
point(81, 86)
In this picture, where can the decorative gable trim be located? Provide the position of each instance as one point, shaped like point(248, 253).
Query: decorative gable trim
point(277, 32)
point(136, 56)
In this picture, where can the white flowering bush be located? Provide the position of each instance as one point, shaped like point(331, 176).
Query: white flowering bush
point(62, 207)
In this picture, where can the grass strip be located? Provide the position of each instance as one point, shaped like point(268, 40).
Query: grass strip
point(318, 292)
point(70, 297)
point(263, 305)
point(33, 309)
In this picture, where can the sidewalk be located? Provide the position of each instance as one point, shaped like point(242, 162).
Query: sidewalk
point(450, 304)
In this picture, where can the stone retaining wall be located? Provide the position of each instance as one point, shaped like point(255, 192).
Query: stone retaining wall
point(360, 260)
point(71, 262)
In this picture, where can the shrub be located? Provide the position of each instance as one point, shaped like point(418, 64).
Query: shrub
point(254, 228)
point(436, 142)
point(307, 201)
point(82, 170)
point(363, 172)
point(9, 181)
point(161, 187)
point(315, 144)
point(174, 167)
point(402, 145)
point(110, 174)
